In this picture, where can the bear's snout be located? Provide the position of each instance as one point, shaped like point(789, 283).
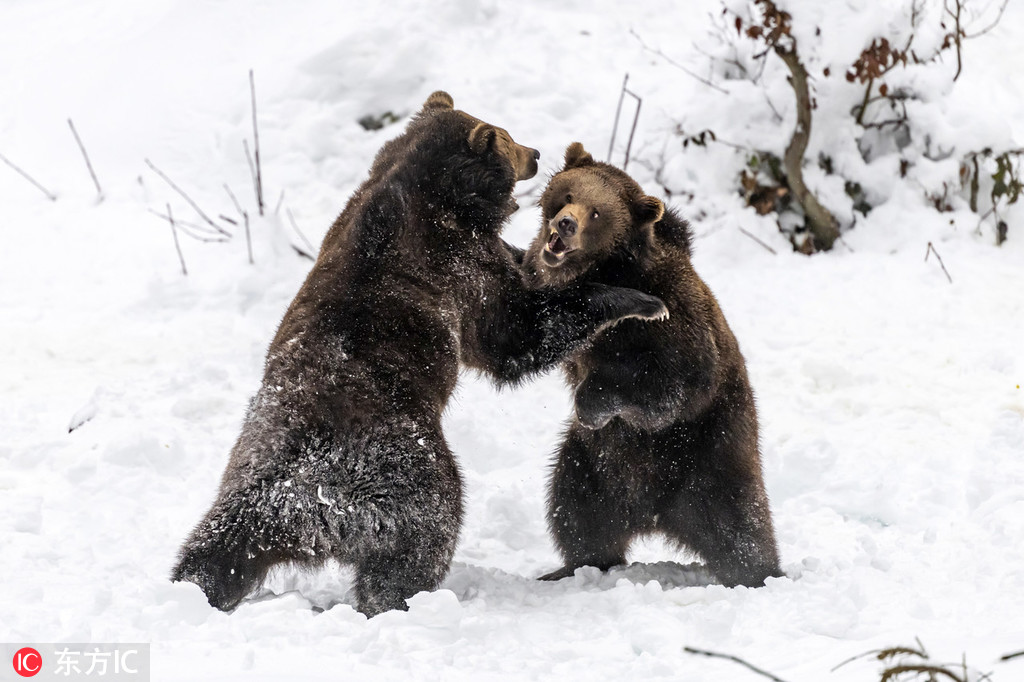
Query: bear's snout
point(529, 163)
point(567, 226)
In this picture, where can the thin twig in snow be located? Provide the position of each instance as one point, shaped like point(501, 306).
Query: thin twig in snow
point(999, 16)
point(280, 200)
point(676, 64)
point(197, 232)
point(234, 200)
point(228, 220)
point(931, 249)
point(204, 233)
point(308, 253)
point(248, 239)
point(245, 219)
point(256, 143)
point(187, 198)
point(49, 195)
point(759, 241)
point(918, 668)
point(884, 654)
point(736, 659)
point(189, 230)
point(88, 163)
point(177, 246)
point(1007, 657)
point(252, 169)
point(771, 105)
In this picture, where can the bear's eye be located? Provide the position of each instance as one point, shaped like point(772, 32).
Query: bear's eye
point(595, 215)
point(568, 198)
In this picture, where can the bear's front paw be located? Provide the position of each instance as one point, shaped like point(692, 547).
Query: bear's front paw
point(651, 309)
point(595, 408)
point(619, 303)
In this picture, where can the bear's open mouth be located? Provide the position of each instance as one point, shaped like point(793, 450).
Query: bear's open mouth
point(556, 246)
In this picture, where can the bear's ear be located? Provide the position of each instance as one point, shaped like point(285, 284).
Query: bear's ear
point(481, 137)
point(439, 100)
point(576, 156)
point(647, 209)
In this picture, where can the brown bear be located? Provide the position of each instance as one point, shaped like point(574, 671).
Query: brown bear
point(341, 453)
point(665, 436)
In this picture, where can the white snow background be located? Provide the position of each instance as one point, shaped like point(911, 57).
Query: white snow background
point(891, 410)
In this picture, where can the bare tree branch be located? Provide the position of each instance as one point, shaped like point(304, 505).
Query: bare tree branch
point(729, 657)
point(256, 144)
point(99, 190)
point(999, 16)
point(930, 250)
point(309, 251)
point(897, 670)
point(676, 64)
point(197, 232)
point(756, 239)
point(245, 219)
point(252, 170)
point(823, 226)
point(49, 195)
point(187, 198)
point(958, 33)
point(177, 246)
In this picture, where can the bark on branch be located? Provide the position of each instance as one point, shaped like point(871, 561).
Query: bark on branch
point(823, 226)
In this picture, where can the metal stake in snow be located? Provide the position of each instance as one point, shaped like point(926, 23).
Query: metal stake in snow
point(615, 126)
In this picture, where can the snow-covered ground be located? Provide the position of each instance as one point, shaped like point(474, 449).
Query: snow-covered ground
point(890, 400)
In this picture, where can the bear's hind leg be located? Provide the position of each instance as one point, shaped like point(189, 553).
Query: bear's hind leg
point(384, 582)
point(728, 523)
point(230, 551)
point(588, 523)
point(403, 512)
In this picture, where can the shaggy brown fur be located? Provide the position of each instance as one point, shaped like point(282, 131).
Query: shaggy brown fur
point(664, 438)
point(341, 454)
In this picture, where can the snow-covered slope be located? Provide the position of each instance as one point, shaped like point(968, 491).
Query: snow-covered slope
point(892, 413)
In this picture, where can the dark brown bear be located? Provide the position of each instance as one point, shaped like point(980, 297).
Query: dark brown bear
point(664, 438)
point(341, 453)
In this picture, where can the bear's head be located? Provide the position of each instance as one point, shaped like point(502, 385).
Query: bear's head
point(591, 210)
point(468, 161)
point(484, 138)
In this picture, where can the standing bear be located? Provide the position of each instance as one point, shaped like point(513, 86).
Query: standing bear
point(341, 453)
point(664, 438)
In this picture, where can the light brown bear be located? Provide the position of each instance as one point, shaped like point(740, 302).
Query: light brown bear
point(665, 435)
